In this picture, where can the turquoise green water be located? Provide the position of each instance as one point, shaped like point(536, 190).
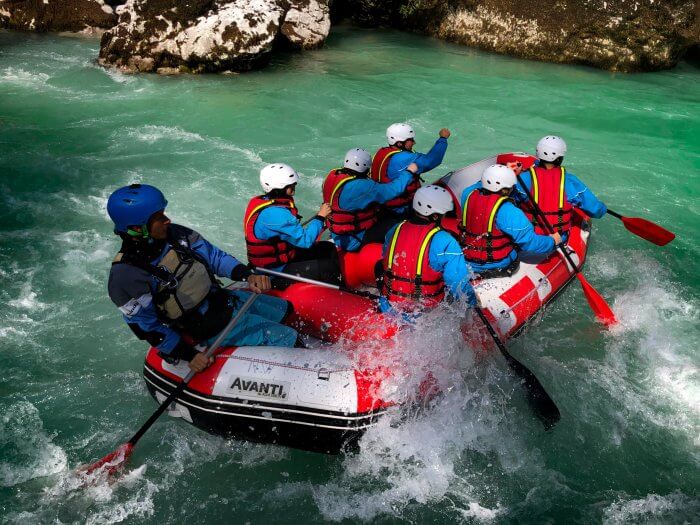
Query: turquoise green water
point(627, 449)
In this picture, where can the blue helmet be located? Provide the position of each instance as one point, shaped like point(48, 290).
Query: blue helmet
point(133, 206)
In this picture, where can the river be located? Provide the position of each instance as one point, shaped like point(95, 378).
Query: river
point(627, 449)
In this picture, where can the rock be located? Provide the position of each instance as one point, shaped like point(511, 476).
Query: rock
point(307, 24)
point(168, 71)
point(618, 35)
point(56, 15)
point(202, 36)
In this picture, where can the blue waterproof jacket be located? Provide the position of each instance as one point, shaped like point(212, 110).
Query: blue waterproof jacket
point(132, 289)
point(359, 194)
point(425, 161)
point(512, 221)
point(277, 221)
point(444, 256)
point(576, 191)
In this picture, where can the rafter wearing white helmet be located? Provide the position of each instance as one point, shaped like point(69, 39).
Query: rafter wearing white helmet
point(358, 160)
point(277, 177)
point(432, 199)
point(550, 148)
point(399, 132)
point(498, 177)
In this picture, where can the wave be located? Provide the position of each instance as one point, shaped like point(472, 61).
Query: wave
point(653, 509)
point(649, 350)
point(27, 299)
point(152, 134)
point(23, 78)
point(28, 452)
point(85, 255)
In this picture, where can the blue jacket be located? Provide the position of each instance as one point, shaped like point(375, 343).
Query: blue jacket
point(576, 191)
point(425, 161)
point(360, 193)
point(277, 221)
point(444, 256)
point(132, 288)
point(512, 221)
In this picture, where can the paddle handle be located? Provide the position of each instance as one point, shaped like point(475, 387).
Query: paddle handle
point(208, 353)
point(614, 214)
point(306, 280)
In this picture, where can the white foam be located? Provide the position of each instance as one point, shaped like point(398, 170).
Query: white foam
point(27, 299)
point(152, 134)
point(117, 76)
point(139, 505)
point(650, 367)
point(28, 452)
point(673, 508)
point(23, 78)
point(414, 455)
point(85, 254)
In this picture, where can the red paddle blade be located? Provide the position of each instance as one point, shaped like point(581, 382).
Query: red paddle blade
point(648, 230)
point(111, 462)
point(600, 308)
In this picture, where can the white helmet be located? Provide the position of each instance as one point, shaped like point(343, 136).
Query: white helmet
point(399, 132)
point(358, 160)
point(432, 199)
point(277, 176)
point(550, 148)
point(497, 177)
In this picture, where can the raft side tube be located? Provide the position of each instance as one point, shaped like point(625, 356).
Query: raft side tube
point(309, 399)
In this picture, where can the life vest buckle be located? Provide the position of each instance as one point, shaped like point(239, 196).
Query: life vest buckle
point(172, 283)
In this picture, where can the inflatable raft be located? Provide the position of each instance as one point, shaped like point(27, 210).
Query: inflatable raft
point(323, 399)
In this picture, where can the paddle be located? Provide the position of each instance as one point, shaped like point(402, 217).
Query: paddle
point(646, 229)
point(600, 307)
point(539, 399)
point(545, 408)
point(306, 280)
point(114, 460)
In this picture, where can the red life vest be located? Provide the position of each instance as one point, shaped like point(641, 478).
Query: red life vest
point(407, 274)
point(380, 165)
point(548, 191)
point(341, 221)
point(481, 240)
point(271, 252)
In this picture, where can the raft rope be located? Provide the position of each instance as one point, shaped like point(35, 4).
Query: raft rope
point(272, 363)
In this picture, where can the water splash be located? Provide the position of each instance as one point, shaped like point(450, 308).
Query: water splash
point(653, 509)
point(27, 451)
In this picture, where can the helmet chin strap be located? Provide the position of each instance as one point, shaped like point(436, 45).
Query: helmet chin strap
point(136, 234)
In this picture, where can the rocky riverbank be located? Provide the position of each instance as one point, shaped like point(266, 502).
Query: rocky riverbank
point(617, 35)
point(202, 36)
point(172, 36)
point(57, 15)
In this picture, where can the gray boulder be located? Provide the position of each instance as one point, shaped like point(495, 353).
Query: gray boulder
point(200, 36)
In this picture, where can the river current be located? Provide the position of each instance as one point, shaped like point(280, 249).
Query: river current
point(627, 449)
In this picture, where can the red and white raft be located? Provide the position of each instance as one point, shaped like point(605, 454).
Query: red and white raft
point(323, 399)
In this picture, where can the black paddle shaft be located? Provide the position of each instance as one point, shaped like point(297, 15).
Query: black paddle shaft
point(544, 406)
point(208, 352)
point(162, 408)
point(542, 219)
point(614, 214)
